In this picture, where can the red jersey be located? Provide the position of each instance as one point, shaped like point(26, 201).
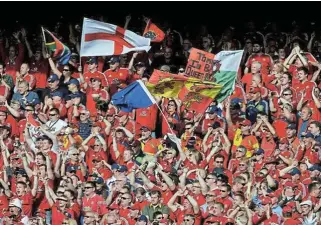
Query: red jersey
point(12, 66)
point(147, 116)
point(90, 103)
point(265, 60)
point(96, 203)
point(40, 70)
point(88, 75)
point(114, 78)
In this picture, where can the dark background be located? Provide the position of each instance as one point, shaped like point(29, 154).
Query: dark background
point(216, 15)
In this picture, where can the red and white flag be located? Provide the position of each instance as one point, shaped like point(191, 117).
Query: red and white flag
point(99, 39)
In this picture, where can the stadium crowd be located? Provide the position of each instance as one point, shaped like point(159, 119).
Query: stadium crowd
point(69, 156)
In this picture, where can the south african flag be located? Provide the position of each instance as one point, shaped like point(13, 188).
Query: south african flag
point(59, 51)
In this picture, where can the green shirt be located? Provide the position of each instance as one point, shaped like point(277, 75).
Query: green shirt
point(149, 210)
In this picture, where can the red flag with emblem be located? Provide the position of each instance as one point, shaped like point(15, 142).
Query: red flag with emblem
point(153, 32)
point(32, 121)
point(103, 39)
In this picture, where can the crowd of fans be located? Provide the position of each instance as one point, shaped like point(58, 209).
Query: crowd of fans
point(68, 156)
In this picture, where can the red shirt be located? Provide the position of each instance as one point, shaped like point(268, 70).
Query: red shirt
point(58, 217)
point(40, 70)
point(90, 103)
point(88, 75)
point(179, 216)
point(147, 116)
point(4, 204)
point(41, 200)
point(95, 203)
point(265, 60)
point(12, 66)
point(119, 76)
point(31, 80)
point(27, 201)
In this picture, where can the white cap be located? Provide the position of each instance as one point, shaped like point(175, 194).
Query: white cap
point(15, 203)
point(307, 202)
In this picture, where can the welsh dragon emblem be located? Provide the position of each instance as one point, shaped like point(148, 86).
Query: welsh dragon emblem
point(192, 97)
point(162, 85)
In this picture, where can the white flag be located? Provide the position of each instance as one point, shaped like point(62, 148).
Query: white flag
point(99, 39)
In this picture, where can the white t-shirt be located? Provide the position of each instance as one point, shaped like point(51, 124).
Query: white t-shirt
point(56, 126)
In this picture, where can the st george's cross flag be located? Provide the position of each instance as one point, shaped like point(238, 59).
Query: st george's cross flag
point(103, 39)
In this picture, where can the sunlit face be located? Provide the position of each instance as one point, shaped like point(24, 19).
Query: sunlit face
point(24, 69)
point(255, 68)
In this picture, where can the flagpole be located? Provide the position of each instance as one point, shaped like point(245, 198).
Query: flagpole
point(44, 38)
point(165, 119)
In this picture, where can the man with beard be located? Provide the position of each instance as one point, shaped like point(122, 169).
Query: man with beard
point(258, 56)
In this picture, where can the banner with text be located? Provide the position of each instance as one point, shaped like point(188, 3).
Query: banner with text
point(200, 64)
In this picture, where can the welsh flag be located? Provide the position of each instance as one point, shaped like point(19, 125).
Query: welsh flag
point(56, 47)
point(226, 65)
point(195, 94)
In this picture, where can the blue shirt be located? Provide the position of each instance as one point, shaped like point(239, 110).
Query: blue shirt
point(303, 128)
point(31, 98)
point(84, 129)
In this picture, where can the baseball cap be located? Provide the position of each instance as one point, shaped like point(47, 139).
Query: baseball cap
point(284, 141)
point(91, 60)
point(115, 166)
point(315, 167)
point(295, 171)
point(71, 169)
point(142, 218)
point(99, 180)
point(20, 171)
point(139, 64)
point(53, 78)
point(74, 81)
point(165, 68)
point(75, 95)
point(145, 128)
point(260, 151)
point(287, 209)
point(114, 59)
point(189, 116)
point(290, 184)
point(122, 113)
point(3, 109)
point(255, 90)
point(309, 135)
point(307, 202)
point(246, 123)
point(6, 126)
point(218, 171)
point(291, 126)
point(56, 93)
point(213, 109)
point(15, 203)
point(111, 112)
point(122, 169)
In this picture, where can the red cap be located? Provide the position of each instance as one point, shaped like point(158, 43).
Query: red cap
point(122, 113)
point(255, 90)
point(3, 109)
point(286, 154)
point(246, 123)
point(266, 200)
point(189, 116)
point(111, 112)
point(96, 77)
point(287, 209)
point(290, 184)
point(98, 158)
point(284, 141)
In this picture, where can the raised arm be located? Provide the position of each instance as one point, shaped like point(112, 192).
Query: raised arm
point(35, 186)
point(50, 173)
point(53, 66)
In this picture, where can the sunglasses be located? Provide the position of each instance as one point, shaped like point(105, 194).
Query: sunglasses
point(88, 187)
point(209, 178)
point(221, 162)
point(223, 191)
point(52, 114)
point(286, 94)
point(76, 154)
point(96, 161)
point(242, 164)
point(29, 110)
point(66, 70)
point(83, 114)
point(123, 198)
point(96, 145)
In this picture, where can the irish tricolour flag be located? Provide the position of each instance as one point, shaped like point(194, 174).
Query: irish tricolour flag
point(226, 67)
